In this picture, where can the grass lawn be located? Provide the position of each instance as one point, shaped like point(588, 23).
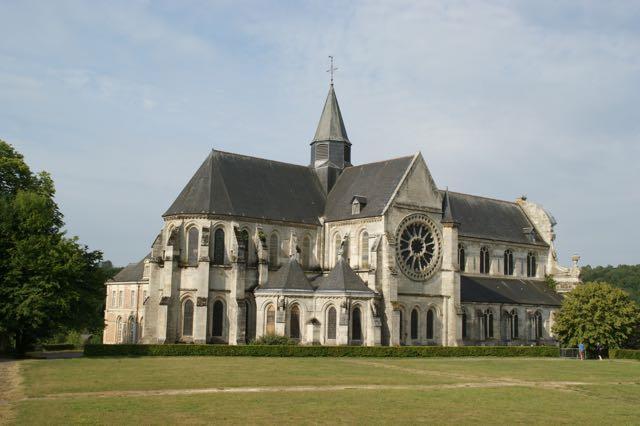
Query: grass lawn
point(326, 390)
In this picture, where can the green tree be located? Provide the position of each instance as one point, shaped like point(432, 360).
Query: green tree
point(49, 283)
point(626, 277)
point(597, 313)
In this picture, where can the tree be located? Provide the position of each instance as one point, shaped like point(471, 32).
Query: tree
point(48, 282)
point(626, 277)
point(597, 313)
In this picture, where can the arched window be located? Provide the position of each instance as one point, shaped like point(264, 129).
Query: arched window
point(531, 264)
point(271, 320)
point(508, 262)
point(414, 324)
point(488, 324)
point(484, 260)
point(273, 249)
point(119, 330)
point(306, 252)
point(356, 325)
point(331, 323)
point(141, 328)
point(294, 323)
point(462, 260)
point(192, 248)
point(364, 250)
point(218, 247)
point(401, 325)
point(336, 247)
point(131, 330)
point(244, 242)
point(464, 324)
point(218, 319)
point(537, 321)
point(430, 325)
point(187, 318)
point(514, 324)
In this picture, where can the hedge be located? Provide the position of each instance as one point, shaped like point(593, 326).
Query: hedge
point(624, 354)
point(320, 351)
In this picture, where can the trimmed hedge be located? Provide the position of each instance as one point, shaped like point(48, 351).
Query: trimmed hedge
point(320, 351)
point(624, 354)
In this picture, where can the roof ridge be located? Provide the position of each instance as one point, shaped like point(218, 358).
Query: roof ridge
point(383, 161)
point(258, 158)
point(481, 196)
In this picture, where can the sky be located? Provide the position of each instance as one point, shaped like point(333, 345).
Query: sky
point(121, 101)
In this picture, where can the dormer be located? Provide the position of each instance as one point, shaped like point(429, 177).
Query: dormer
point(357, 204)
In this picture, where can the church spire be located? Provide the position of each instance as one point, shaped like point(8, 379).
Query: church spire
point(331, 127)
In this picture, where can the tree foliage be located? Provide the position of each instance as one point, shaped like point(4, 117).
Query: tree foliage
point(597, 313)
point(626, 277)
point(49, 283)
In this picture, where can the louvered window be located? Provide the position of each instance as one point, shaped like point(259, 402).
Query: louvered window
point(322, 152)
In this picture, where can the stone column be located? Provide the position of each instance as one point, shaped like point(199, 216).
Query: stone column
point(450, 285)
point(342, 336)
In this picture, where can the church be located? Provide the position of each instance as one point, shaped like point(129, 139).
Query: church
point(332, 253)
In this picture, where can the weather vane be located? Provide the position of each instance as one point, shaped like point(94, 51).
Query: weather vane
point(331, 68)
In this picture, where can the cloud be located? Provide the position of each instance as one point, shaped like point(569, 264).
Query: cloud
point(122, 102)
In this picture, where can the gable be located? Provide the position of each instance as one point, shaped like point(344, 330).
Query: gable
point(374, 182)
point(417, 188)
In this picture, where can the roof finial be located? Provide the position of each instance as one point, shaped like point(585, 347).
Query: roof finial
point(331, 68)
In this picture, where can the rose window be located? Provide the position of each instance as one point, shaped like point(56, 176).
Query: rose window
point(418, 246)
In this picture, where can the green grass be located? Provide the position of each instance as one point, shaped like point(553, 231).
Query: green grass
point(611, 393)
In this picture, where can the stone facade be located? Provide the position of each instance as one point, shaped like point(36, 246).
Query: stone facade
point(388, 260)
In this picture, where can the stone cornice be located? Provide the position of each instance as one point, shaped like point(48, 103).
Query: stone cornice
point(231, 218)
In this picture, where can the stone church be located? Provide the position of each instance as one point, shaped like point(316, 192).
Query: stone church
point(333, 253)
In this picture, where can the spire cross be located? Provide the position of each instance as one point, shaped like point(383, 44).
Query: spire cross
point(331, 68)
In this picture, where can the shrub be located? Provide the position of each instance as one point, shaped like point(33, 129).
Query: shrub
point(59, 347)
point(321, 351)
point(272, 339)
point(624, 354)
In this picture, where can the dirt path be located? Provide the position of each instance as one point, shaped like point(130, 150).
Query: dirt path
point(328, 388)
point(9, 389)
point(418, 370)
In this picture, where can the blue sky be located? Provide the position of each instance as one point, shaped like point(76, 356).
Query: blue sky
point(122, 101)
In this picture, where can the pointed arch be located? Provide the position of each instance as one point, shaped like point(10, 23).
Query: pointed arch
point(187, 318)
point(217, 324)
point(414, 324)
point(462, 258)
point(356, 324)
point(485, 260)
point(364, 249)
point(508, 262)
point(193, 244)
point(294, 322)
point(430, 324)
point(270, 323)
point(531, 264)
point(218, 247)
point(331, 323)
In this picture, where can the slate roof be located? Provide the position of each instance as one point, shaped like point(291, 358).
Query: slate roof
point(238, 185)
point(342, 279)
point(130, 273)
point(374, 181)
point(507, 290)
point(491, 219)
point(331, 127)
point(289, 277)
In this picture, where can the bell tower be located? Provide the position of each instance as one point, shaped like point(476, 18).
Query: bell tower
point(330, 148)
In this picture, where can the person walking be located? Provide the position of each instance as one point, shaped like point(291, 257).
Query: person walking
point(581, 351)
point(599, 351)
